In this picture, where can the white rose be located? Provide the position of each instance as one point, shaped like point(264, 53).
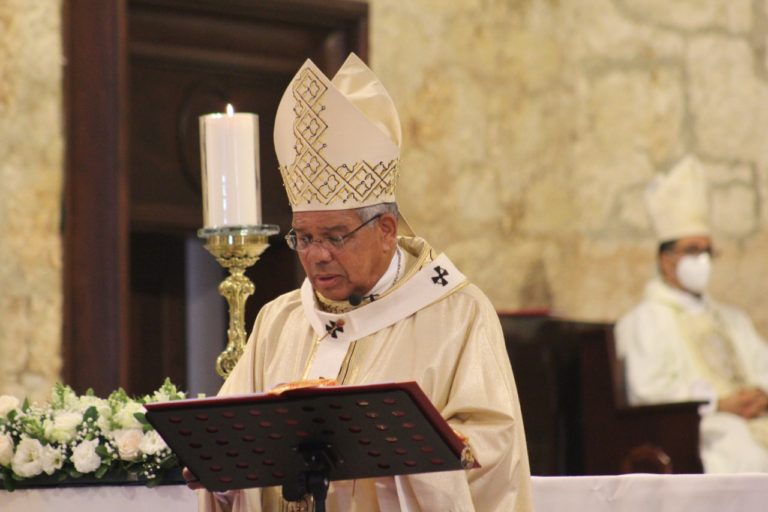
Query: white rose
point(63, 427)
point(85, 458)
point(125, 416)
point(7, 404)
point(127, 441)
point(152, 443)
point(6, 449)
point(51, 459)
point(26, 462)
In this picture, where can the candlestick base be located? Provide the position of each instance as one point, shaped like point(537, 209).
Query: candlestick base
point(236, 248)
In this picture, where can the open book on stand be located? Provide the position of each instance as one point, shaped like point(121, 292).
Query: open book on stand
point(330, 433)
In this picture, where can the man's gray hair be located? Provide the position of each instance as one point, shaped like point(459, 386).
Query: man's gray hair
point(366, 213)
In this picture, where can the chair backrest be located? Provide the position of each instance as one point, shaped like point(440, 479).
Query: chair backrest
point(575, 410)
point(546, 364)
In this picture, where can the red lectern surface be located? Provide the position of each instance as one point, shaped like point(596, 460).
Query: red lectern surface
point(345, 432)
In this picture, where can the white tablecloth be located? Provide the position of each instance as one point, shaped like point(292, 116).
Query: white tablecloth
point(165, 498)
point(624, 493)
point(652, 493)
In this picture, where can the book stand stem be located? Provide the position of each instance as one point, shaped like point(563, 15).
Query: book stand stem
point(315, 480)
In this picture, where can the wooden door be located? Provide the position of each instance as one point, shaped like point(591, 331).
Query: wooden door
point(139, 74)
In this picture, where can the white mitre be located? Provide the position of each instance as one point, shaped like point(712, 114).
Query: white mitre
point(678, 202)
point(337, 141)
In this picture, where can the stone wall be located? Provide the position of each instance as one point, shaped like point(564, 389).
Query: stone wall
point(531, 128)
point(31, 163)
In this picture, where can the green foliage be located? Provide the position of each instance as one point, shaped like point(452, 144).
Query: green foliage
point(74, 437)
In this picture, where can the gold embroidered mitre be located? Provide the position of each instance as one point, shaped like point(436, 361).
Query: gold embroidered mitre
point(337, 141)
point(677, 202)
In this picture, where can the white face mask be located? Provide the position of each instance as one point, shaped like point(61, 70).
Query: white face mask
point(693, 272)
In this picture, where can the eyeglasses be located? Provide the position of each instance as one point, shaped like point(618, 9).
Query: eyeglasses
point(696, 251)
point(329, 243)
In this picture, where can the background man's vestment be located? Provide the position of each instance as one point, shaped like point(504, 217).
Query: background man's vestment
point(677, 347)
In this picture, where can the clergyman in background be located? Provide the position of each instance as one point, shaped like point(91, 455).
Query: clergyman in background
point(680, 344)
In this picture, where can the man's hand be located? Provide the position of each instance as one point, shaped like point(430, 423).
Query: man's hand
point(748, 403)
point(224, 498)
point(192, 481)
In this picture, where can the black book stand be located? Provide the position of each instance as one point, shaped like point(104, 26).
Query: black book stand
point(305, 438)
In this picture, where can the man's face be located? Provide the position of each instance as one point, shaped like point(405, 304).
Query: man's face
point(687, 246)
point(358, 264)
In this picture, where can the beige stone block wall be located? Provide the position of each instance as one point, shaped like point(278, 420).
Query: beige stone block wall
point(31, 163)
point(531, 128)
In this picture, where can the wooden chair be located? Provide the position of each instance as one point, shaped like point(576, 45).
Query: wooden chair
point(576, 415)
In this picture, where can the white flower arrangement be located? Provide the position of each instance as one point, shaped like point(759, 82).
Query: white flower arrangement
point(75, 436)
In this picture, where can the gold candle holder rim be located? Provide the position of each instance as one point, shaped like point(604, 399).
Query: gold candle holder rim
point(261, 230)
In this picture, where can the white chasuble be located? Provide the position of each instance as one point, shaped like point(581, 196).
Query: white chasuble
point(449, 342)
point(677, 348)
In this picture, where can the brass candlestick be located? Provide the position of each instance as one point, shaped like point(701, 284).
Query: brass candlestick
point(236, 248)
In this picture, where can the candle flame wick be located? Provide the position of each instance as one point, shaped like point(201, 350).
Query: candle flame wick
point(230, 109)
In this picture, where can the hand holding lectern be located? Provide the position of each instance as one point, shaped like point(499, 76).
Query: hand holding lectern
point(304, 438)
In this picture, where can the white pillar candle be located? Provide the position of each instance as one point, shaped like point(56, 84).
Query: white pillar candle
point(229, 147)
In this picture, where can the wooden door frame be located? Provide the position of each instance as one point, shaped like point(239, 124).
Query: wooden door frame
point(96, 346)
point(95, 234)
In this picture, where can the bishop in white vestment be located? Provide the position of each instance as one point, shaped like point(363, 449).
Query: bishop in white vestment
point(679, 344)
point(378, 306)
